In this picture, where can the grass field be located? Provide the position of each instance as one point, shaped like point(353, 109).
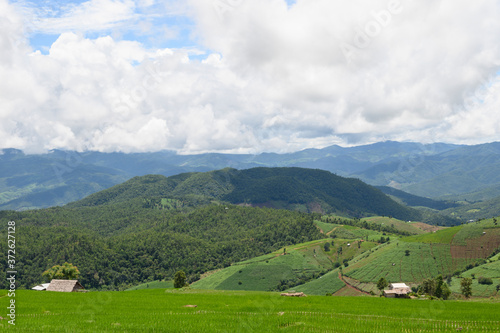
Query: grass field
point(218, 311)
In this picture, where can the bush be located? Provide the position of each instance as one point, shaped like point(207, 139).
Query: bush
point(484, 280)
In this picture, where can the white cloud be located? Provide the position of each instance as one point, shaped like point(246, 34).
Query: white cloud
point(93, 15)
point(275, 79)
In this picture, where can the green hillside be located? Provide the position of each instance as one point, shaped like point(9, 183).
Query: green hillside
point(472, 211)
point(303, 267)
point(284, 188)
point(489, 270)
point(417, 201)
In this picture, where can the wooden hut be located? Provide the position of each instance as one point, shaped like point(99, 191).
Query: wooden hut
point(67, 286)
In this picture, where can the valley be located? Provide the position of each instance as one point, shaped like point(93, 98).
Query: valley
point(256, 233)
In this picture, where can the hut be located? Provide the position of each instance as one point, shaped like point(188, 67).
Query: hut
point(397, 290)
point(67, 286)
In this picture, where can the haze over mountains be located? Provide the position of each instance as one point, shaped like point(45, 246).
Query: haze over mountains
point(447, 171)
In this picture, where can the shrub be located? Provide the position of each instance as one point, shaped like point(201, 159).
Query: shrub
point(484, 280)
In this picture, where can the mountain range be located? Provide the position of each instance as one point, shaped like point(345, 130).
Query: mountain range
point(438, 171)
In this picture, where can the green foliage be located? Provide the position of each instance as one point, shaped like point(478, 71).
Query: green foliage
point(484, 280)
point(466, 287)
point(180, 279)
point(65, 271)
point(382, 284)
point(365, 228)
point(429, 287)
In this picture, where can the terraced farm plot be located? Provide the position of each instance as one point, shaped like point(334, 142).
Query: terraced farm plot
point(392, 263)
point(267, 272)
point(328, 283)
point(257, 277)
point(325, 227)
point(480, 246)
point(349, 232)
point(444, 236)
point(153, 285)
point(398, 224)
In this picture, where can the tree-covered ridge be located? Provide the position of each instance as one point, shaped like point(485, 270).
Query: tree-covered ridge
point(291, 188)
point(119, 245)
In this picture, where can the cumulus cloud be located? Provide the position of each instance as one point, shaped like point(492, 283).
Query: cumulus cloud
point(273, 76)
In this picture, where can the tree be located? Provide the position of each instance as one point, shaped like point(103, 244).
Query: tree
point(446, 291)
point(179, 279)
point(498, 287)
point(381, 284)
point(326, 247)
point(65, 272)
point(407, 253)
point(466, 287)
point(439, 286)
point(429, 286)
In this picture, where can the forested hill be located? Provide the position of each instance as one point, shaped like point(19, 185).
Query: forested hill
point(290, 188)
point(119, 245)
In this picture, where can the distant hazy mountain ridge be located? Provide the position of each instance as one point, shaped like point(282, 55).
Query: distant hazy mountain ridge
point(434, 171)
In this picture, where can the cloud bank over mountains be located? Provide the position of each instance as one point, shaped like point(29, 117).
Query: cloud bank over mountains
point(246, 76)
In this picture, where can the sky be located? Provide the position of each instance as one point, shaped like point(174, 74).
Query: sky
point(246, 76)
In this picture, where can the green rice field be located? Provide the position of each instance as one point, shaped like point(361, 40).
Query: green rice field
point(161, 310)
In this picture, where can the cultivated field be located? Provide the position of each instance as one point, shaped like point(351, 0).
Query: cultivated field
point(302, 264)
point(221, 311)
